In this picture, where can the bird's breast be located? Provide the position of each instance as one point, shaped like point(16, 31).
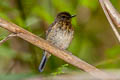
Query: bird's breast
point(60, 37)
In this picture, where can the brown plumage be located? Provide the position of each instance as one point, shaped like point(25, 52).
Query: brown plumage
point(60, 34)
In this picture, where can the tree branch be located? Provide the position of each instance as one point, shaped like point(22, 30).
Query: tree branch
point(115, 16)
point(62, 54)
point(8, 37)
point(112, 16)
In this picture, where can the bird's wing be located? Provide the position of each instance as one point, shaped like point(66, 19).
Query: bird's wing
point(49, 28)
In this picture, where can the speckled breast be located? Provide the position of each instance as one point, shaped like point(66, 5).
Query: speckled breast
point(59, 37)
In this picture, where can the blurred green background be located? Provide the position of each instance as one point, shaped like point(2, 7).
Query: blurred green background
point(94, 40)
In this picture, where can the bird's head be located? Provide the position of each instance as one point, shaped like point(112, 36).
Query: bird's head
point(64, 16)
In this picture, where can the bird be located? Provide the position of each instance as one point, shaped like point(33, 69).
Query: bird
point(59, 33)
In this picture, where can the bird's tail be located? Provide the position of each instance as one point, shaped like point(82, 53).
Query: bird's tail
point(43, 61)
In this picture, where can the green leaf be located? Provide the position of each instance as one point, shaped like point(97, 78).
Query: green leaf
point(60, 70)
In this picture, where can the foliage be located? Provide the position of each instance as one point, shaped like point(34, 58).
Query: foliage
point(60, 70)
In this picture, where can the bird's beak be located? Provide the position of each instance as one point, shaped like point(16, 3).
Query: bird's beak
point(73, 16)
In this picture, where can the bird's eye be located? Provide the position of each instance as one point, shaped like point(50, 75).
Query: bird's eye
point(63, 16)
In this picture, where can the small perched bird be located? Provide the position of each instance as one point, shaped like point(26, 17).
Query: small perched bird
point(59, 33)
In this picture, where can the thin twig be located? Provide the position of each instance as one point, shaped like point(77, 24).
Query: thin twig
point(8, 37)
point(112, 15)
point(62, 54)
